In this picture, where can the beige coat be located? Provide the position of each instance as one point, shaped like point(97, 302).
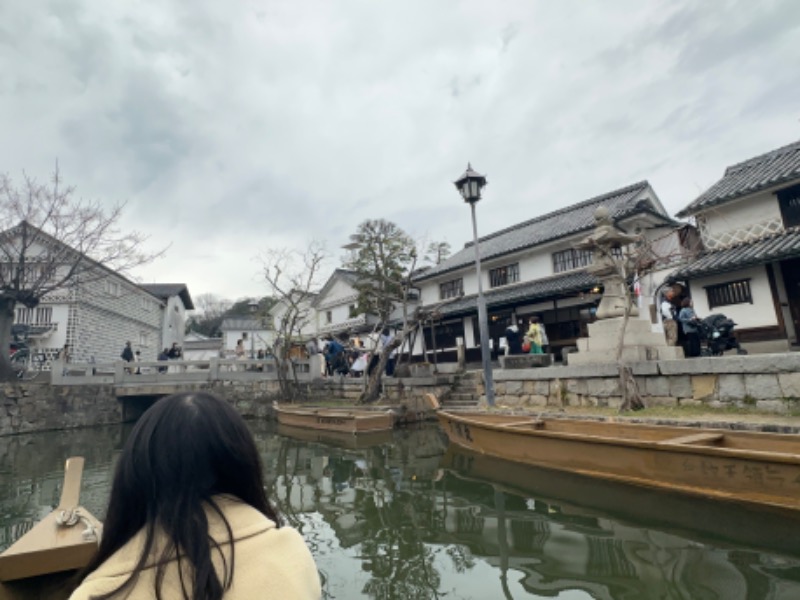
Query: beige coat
point(269, 562)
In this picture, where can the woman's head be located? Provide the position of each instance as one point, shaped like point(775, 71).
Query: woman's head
point(184, 450)
point(189, 447)
point(686, 302)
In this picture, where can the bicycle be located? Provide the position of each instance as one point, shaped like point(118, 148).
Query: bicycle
point(26, 365)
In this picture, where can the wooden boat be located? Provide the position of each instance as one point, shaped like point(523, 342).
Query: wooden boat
point(64, 540)
point(337, 439)
point(753, 468)
point(349, 420)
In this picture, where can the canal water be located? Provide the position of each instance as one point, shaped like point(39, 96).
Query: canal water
point(401, 515)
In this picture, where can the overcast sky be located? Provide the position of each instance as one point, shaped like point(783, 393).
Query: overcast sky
point(231, 127)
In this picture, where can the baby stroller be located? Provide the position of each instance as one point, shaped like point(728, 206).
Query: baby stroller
point(716, 336)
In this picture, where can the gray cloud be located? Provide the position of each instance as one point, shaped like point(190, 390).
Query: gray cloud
point(230, 127)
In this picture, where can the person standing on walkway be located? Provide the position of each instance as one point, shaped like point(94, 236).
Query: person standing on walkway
point(127, 355)
point(64, 357)
point(690, 323)
point(668, 318)
point(534, 336)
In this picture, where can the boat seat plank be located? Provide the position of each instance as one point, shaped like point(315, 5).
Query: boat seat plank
point(695, 438)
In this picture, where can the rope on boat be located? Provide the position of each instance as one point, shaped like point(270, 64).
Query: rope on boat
point(70, 517)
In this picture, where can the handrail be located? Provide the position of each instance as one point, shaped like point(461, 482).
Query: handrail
point(178, 371)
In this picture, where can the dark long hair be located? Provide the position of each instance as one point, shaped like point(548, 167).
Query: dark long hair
point(185, 449)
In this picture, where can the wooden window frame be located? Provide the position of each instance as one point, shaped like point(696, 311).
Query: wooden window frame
point(451, 289)
point(729, 293)
point(789, 203)
point(570, 259)
point(505, 275)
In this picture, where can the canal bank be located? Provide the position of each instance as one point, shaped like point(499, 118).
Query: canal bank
point(704, 391)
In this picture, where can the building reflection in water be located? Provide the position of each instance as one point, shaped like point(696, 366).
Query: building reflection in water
point(401, 515)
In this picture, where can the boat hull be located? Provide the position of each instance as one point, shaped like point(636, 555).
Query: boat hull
point(754, 468)
point(341, 420)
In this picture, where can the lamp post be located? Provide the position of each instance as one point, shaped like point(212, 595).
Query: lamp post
point(253, 306)
point(470, 185)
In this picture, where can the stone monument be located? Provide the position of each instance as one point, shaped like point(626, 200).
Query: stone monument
point(613, 266)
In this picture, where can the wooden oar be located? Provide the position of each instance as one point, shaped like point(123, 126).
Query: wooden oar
point(56, 543)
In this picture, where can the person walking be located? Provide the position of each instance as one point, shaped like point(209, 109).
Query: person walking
point(690, 323)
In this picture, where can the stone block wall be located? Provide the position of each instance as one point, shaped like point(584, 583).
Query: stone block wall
point(40, 407)
point(27, 407)
point(770, 383)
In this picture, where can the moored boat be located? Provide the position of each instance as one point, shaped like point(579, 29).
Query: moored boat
point(740, 466)
point(62, 541)
point(349, 420)
point(338, 439)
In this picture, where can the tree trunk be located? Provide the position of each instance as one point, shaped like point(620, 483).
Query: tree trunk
point(7, 305)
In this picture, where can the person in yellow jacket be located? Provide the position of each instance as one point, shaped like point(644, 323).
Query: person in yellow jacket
point(534, 336)
point(188, 516)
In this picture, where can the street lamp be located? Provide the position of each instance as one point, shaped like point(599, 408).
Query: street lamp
point(253, 305)
point(470, 185)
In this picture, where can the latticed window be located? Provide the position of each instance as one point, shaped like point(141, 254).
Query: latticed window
point(451, 289)
point(789, 201)
point(504, 275)
point(42, 315)
point(566, 260)
point(733, 292)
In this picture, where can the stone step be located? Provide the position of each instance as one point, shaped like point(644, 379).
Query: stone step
point(464, 406)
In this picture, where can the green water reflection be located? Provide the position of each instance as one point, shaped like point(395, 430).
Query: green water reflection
point(402, 516)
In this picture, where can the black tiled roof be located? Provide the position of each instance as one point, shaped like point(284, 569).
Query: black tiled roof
point(773, 247)
point(552, 226)
point(165, 290)
point(559, 285)
point(765, 171)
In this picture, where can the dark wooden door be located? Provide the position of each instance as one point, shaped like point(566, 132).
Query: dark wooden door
point(791, 279)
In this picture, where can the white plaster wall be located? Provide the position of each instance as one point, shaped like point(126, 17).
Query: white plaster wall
point(533, 264)
point(101, 323)
point(308, 325)
point(257, 339)
point(173, 324)
point(339, 292)
point(759, 314)
point(742, 213)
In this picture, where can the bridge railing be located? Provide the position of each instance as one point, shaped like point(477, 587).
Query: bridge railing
point(179, 371)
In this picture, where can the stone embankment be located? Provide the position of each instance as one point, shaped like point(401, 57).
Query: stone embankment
point(28, 406)
point(769, 383)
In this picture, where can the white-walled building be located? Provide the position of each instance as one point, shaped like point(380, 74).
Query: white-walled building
point(749, 222)
point(96, 318)
point(256, 334)
point(96, 311)
point(200, 347)
point(335, 305)
point(176, 302)
point(305, 325)
point(532, 268)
